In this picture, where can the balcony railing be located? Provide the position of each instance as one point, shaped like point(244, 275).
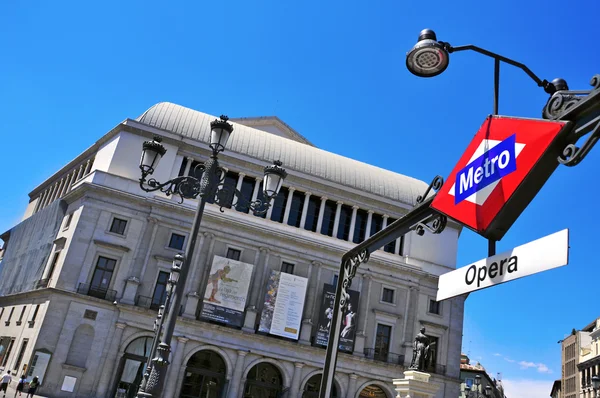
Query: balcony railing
point(143, 301)
point(42, 283)
point(383, 356)
point(93, 291)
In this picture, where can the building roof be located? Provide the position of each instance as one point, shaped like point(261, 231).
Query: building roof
point(294, 155)
point(555, 387)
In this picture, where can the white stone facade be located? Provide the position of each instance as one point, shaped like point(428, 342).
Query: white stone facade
point(86, 337)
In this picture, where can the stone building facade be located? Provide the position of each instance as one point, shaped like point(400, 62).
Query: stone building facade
point(84, 272)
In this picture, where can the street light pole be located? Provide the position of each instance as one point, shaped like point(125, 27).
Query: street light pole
point(210, 185)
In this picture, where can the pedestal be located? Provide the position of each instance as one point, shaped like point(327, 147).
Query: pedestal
point(250, 320)
point(131, 286)
point(189, 311)
point(305, 332)
point(415, 384)
point(359, 344)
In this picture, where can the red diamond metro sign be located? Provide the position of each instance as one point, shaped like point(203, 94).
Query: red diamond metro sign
point(504, 167)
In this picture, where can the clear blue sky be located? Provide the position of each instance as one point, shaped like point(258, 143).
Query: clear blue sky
point(335, 72)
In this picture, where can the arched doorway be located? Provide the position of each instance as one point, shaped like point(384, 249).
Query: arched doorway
point(313, 385)
point(205, 376)
point(373, 391)
point(132, 367)
point(263, 381)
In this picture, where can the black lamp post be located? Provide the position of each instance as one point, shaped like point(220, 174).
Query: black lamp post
point(209, 186)
point(595, 384)
point(475, 393)
point(430, 57)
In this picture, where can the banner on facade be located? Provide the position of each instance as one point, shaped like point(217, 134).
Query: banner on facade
point(349, 319)
point(284, 303)
point(226, 291)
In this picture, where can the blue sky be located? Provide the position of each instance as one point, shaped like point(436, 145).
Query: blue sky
point(335, 72)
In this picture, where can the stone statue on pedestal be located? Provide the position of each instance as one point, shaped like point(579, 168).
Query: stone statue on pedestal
point(421, 351)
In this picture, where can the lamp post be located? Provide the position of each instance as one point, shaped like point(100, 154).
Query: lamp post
point(430, 57)
point(475, 393)
point(208, 186)
point(595, 384)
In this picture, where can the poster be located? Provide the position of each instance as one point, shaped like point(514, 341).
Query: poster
point(227, 291)
point(349, 319)
point(284, 303)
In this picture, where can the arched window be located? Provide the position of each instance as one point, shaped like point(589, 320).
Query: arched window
point(313, 385)
point(205, 375)
point(263, 381)
point(80, 346)
point(373, 391)
point(132, 366)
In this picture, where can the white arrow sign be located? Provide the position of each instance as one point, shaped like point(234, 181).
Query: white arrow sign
point(540, 255)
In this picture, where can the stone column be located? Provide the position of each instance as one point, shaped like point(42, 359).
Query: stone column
point(153, 221)
point(363, 308)
point(256, 188)
point(338, 212)
point(252, 309)
point(204, 263)
point(240, 180)
point(193, 293)
point(88, 167)
point(131, 286)
point(236, 380)
point(351, 385)
point(304, 209)
point(175, 367)
point(397, 246)
point(40, 199)
point(369, 222)
point(321, 214)
point(307, 324)
point(410, 318)
point(385, 220)
point(352, 223)
point(296, 378)
point(111, 357)
point(288, 205)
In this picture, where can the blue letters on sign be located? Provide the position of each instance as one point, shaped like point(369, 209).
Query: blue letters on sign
point(486, 169)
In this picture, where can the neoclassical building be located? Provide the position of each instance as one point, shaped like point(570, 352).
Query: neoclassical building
point(83, 274)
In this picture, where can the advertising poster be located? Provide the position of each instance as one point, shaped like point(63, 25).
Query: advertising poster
point(349, 319)
point(284, 303)
point(226, 291)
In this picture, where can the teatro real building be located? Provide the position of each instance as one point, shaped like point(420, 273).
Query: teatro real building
point(85, 271)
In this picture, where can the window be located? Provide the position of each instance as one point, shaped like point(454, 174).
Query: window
point(8, 350)
point(387, 295)
point(233, 254)
point(296, 209)
point(68, 219)
point(101, 277)
point(469, 383)
point(360, 226)
point(382, 342)
point(160, 290)
point(312, 213)
point(81, 345)
point(20, 355)
point(1, 312)
point(278, 208)
point(246, 190)
point(434, 306)
point(226, 196)
point(433, 348)
point(21, 316)
point(118, 226)
point(343, 231)
point(376, 224)
point(52, 265)
point(288, 268)
point(176, 241)
point(328, 218)
point(35, 312)
point(335, 280)
point(12, 310)
point(390, 247)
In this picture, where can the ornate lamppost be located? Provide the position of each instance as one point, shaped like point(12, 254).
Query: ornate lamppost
point(208, 187)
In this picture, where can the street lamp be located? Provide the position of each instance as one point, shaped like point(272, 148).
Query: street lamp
point(210, 186)
point(430, 57)
point(595, 385)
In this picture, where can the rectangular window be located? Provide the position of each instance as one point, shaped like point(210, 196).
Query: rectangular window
point(102, 277)
point(118, 226)
point(312, 213)
point(246, 190)
point(226, 196)
point(376, 224)
point(1, 312)
point(383, 336)
point(176, 241)
point(328, 218)
point(335, 280)
point(387, 295)
point(68, 219)
point(296, 209)
point(8, 350)
point(21, 316)
point(288, 268)
point(360, 226)
point(434, 306)
point(52, 266)
point(345, 220)
point(279, 205)
point(233, 254)
point(390, 247)
point(10, 314)
point(20, 355)
point(469, 383)
point(160, 290)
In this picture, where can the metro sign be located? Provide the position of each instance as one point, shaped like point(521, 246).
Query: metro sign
point(504, 167)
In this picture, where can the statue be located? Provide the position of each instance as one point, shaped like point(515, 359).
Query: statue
point(421, 351)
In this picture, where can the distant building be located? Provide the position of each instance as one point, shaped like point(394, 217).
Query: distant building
point(572, 381)
point(556, 392)
point(589, 358)
point(468, 377)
